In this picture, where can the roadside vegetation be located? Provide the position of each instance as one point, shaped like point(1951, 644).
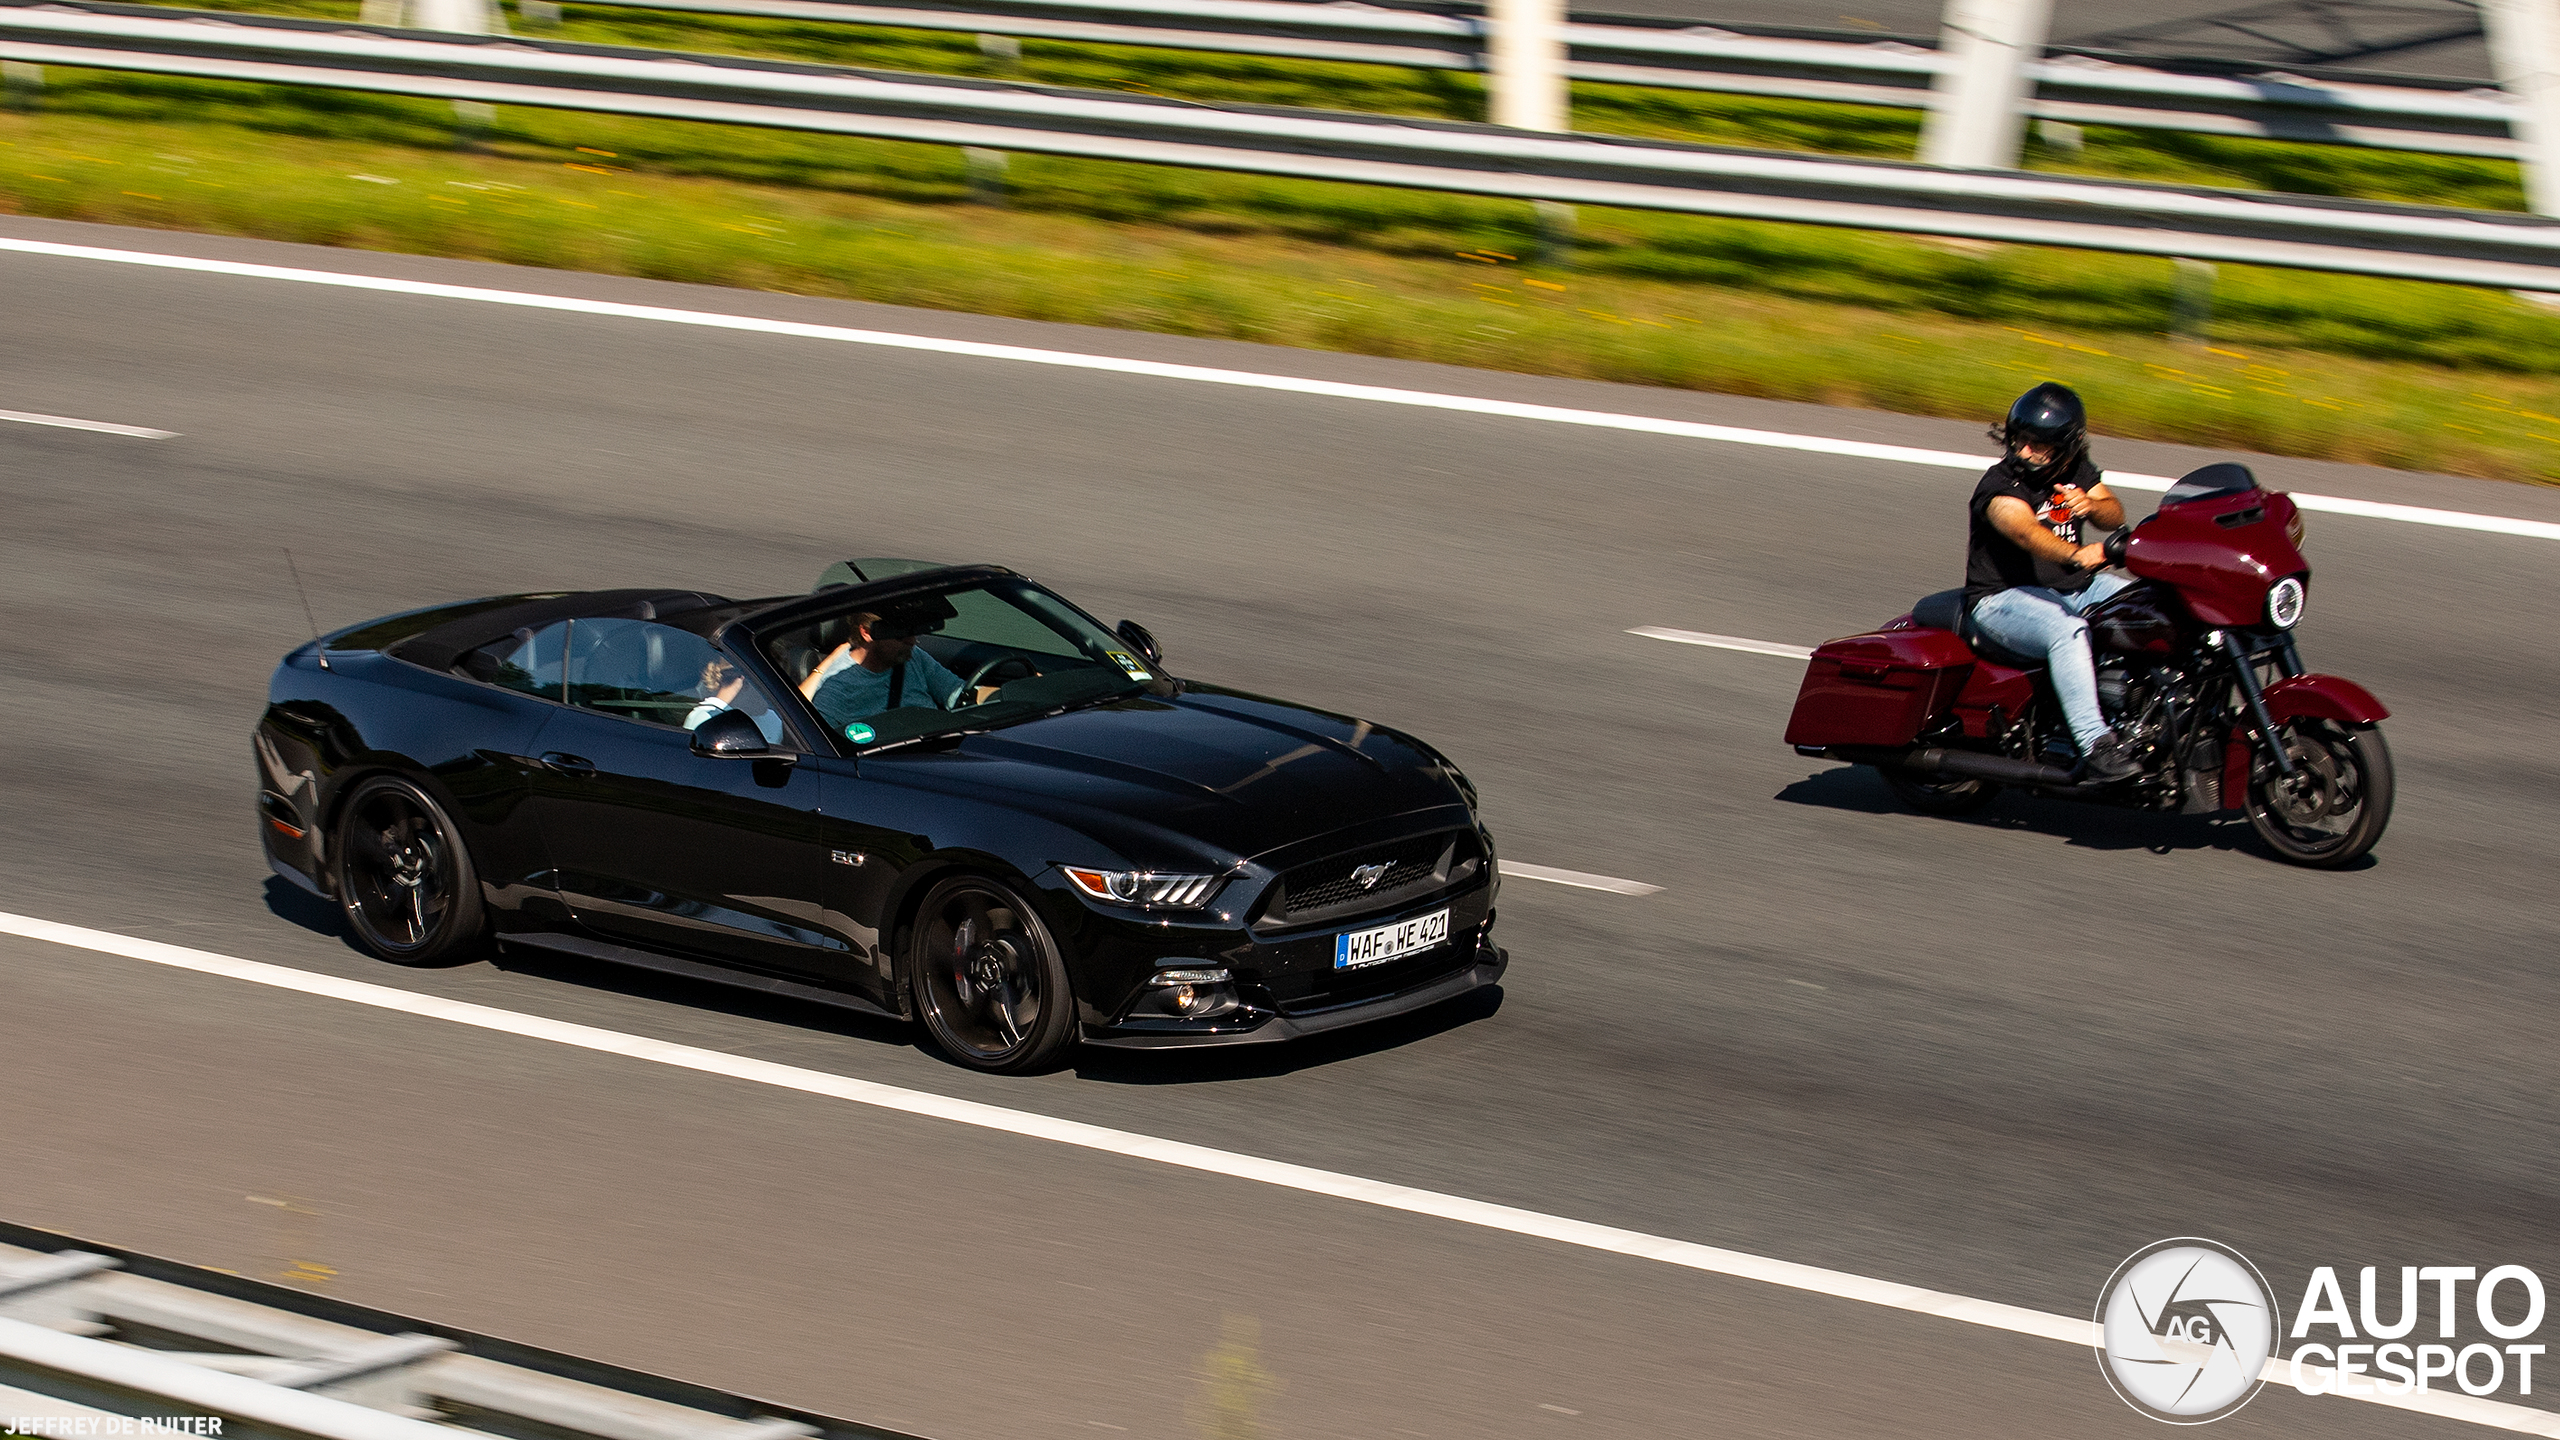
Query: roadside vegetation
point(2382, 372)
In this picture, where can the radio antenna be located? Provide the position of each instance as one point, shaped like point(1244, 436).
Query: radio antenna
point(317, 648)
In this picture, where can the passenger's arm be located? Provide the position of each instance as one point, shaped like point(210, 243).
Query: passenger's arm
point(2016, 519)
point(819, 672)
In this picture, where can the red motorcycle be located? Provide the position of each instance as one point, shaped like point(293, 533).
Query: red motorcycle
point(2197, 670)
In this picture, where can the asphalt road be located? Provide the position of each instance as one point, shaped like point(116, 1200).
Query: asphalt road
point(1990, 1057)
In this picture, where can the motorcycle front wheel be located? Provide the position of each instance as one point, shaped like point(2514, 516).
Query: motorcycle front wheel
point(2332, 808)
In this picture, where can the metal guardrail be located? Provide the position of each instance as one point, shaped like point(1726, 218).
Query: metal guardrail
point(2516, 252)
point(2079, 89)
point(90, 1333)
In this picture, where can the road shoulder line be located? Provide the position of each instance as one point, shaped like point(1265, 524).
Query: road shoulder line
point(1209, 375)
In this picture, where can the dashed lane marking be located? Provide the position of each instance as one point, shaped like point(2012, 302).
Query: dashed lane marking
point(1723, 642)
point(65, 422)
point(1514, 870)
point(1506, 1219)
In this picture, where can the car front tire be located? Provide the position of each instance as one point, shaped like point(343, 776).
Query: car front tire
point(990, 985)
point(405, 880)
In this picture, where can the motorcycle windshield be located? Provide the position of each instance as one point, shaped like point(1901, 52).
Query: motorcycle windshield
point(2209, 482)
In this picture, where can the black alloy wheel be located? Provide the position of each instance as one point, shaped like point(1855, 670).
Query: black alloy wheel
point(989, 983)
point(404, 878)
point(1938, 794)
point(2332, 808)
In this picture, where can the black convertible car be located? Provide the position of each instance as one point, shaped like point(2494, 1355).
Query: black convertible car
point(934, 792)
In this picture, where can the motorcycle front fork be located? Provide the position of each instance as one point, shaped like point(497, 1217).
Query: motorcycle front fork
point(2244, 669)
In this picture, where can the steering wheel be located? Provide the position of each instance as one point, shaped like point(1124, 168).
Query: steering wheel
point(979, 676)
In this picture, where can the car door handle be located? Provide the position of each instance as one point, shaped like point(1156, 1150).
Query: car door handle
point(569, 764)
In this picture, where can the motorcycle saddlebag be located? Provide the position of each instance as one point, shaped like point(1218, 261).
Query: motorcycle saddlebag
point(1878, 689)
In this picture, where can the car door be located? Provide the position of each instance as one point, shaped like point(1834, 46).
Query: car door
point(656, 845)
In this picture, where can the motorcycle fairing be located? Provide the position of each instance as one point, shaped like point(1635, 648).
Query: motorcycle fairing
point(2324, 697)
point(2298, 697)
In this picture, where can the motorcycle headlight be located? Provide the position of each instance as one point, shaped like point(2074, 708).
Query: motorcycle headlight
point(2284, 603)
point(1144, 889)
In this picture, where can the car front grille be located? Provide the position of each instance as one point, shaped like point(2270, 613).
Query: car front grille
point(1330, 888)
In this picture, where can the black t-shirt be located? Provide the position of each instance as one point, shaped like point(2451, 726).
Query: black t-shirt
point(1994, 562)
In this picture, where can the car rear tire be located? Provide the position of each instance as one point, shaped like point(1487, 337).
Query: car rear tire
point(405, 879)
point(990, 984)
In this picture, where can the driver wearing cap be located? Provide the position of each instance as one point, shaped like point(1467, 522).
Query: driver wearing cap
point(880, 669)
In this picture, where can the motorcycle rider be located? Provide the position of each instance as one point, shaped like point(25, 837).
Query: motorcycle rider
point(2029, 578)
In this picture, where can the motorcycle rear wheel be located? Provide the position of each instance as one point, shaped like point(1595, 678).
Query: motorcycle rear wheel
point(1936, 795)
point(2332, 809)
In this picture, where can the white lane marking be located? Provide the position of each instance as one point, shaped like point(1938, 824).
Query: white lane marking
point(65, 422)
point(1207, 375)
point(1514, 870)
point(1723, 642)
point(2070, 1330)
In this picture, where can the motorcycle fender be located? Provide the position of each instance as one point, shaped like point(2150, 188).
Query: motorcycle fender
point(2298, 697)
point(2323, 697)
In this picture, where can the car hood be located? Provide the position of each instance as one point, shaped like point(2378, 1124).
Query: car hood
point(1235, 772)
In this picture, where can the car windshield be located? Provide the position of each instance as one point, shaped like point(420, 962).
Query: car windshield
point(972, 658)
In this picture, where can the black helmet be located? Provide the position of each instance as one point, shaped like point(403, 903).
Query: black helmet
point(2050, 417)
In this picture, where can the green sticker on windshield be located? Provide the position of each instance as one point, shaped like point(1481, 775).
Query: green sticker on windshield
point(1129, 663)
point(859, 733)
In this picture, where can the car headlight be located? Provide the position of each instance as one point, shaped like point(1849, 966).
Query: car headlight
point(1144, 889)
point(2285, 601)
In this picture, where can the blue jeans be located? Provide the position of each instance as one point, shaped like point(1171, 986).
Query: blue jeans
point(2035, 621)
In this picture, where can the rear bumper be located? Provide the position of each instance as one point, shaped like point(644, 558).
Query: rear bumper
point(1264, 1027)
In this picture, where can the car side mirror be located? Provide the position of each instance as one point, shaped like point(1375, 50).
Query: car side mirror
point(732, 735)
point(1140, 641)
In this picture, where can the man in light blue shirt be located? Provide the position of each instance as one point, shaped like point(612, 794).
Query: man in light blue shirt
point(879, 669)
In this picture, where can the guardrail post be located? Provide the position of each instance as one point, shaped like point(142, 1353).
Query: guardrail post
point(1528, 64)
point(989, 174)
point(24, 82)
point(1529, 93)
point(1977, 108)
point(2524, 50)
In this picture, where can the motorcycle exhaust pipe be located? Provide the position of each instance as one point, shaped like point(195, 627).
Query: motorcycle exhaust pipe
point(1966, 763)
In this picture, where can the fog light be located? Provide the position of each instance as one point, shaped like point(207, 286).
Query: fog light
point(1188, 993)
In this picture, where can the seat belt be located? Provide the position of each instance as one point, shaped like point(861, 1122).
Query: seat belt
point(897, 684)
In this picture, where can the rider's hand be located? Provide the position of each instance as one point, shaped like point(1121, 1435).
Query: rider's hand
point(2090, 557)
point(2074, 499)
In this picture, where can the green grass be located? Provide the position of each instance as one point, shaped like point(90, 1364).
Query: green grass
point(2387, 372)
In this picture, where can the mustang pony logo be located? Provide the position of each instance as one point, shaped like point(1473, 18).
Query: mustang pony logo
point(1370, 875)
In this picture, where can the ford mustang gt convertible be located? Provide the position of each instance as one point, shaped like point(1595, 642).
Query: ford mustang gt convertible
point(941, 793)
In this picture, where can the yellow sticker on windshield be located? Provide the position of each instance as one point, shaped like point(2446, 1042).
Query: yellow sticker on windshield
point(1130, 663)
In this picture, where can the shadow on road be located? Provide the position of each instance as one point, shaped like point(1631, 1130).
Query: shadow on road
point(290, 902)
point(1118, 1067)
point(1858, 789)
point(1258, 1062)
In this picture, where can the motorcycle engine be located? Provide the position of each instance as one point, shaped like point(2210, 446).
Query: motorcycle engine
point(2136, 707)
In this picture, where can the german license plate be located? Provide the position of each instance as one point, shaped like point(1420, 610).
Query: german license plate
point(1390, 942)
